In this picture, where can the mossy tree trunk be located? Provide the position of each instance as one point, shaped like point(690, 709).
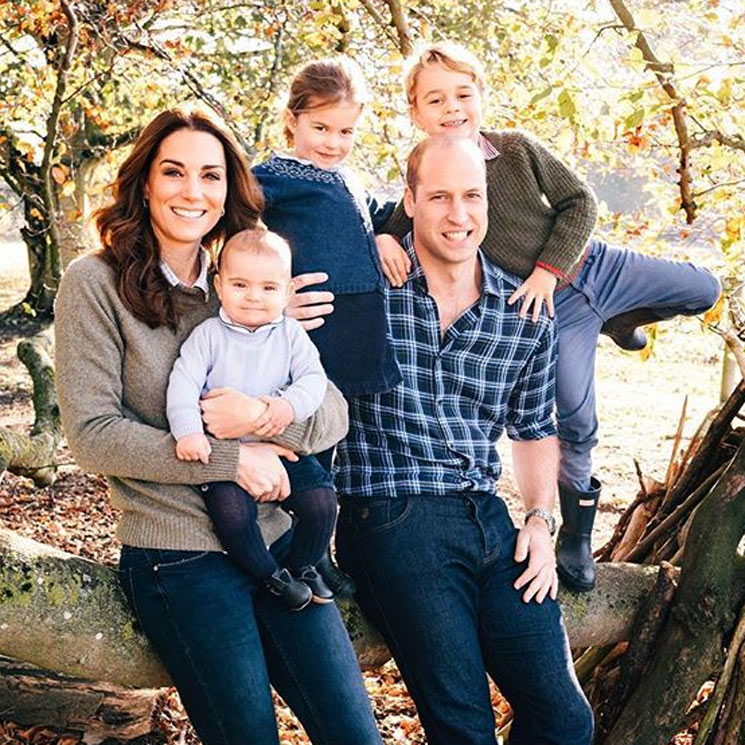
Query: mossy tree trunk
point(33, 455)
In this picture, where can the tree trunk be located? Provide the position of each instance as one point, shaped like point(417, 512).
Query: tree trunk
point(67, 614)
point(30, 696)
point(33, 456)
point(702, 616)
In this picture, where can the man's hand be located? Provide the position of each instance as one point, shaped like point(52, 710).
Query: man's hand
point(278, 415)
point(229, 414)
point(310, 307)
point(194, 447)
point(534, 543)
point(394, 261)
point(261, 473)
point(538, 288)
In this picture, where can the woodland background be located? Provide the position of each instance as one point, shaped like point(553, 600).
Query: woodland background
point(644, 98)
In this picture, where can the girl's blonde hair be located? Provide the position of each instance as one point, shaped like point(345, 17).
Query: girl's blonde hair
point(443, 54)
point(322, 83)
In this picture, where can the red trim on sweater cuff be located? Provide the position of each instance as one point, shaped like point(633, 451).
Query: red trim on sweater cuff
point(551, 269)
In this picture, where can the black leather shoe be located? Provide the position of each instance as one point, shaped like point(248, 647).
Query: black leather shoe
point(321, 592)
point(340, 583)
point(624, 328)
point(574, 563)
point(292, 593)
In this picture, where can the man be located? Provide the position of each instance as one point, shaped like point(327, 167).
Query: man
point(457, 591)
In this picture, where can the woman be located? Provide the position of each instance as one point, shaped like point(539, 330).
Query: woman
point(121, 317)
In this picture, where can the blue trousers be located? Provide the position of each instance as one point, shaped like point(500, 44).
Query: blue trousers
point(223, 643)
point(610, 282)
point(435, 575)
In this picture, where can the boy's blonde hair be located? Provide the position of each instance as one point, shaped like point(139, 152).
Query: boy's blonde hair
point(325, 82)
point(443, 54)
point(258, 241)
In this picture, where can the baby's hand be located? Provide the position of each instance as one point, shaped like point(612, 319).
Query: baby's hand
point(194, 447)
point(536, 289)
point(278, 416)
point(394, 260)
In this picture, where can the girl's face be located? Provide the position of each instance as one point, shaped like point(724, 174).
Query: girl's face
point(325, 135)
point(186, 189)
point(446, 101)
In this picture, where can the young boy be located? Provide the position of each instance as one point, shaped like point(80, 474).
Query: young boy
point(541, 216)
point(253, 348)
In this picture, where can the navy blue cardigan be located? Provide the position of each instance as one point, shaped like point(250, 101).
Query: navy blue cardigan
point(329, 221)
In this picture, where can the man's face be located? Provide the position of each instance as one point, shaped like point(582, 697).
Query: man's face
point(449, 207)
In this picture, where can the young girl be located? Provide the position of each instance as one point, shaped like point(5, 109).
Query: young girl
point(320, 207)
point(541, 216)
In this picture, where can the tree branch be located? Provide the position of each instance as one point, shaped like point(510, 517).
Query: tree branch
point(385, 26)
point(663, 73)
point(736, 142)
point(398, 14)
point(51, 139)
point(192, 83)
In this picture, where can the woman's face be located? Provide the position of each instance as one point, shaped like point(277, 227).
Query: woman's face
point(186, 189)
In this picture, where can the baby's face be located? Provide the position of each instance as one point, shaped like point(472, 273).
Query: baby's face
point(254, 289)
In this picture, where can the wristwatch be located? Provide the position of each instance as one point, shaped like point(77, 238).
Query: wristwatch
point(544, 515)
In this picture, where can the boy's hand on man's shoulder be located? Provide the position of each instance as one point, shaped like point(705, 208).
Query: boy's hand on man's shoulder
point(537, 289)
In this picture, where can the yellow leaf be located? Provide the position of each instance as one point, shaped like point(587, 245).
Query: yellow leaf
point(713, 315)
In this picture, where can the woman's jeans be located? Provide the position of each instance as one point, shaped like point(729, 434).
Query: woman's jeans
point(223, 642)
point(610, 282)
point(436, 574)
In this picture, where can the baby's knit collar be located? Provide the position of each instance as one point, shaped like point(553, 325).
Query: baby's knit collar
point(228, 321)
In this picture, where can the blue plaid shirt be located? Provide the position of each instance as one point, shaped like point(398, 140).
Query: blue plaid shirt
point(435, 432)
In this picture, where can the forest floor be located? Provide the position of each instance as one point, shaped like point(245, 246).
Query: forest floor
point(639, 403)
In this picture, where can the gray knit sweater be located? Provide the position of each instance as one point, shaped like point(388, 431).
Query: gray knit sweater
point(112, 372)
point(540, 212)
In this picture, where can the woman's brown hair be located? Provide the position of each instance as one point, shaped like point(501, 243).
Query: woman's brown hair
point(128, 243)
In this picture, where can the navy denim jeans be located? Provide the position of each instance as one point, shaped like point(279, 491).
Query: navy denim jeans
point(223, 643)
point(435, 574)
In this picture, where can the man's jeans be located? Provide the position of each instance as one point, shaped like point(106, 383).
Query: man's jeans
point(223, 642)
point(610, 282)
point(435, 574)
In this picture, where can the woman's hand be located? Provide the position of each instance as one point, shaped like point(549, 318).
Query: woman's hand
point(310, 307)
point(538, 288)
point(261, 473)
point(394, 261)
point(229, 414)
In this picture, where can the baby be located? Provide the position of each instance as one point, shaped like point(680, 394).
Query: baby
point(253, 348)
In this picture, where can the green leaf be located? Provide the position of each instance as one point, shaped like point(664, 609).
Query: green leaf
point(567, 107)
point(635, 118)
point(543, 94)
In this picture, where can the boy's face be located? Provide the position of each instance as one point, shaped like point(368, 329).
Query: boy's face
point(254, 289)
point(446, 101)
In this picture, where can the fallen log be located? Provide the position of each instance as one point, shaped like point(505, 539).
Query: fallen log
point(67, 614)
point(30, 696)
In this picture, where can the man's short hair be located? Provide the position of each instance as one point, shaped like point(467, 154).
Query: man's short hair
point(416, 156)
point(258, 241)
point(444, 54)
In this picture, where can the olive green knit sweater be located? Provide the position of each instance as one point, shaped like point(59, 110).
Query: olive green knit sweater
point(540, 212)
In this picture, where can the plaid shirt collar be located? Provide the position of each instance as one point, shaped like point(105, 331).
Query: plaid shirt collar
point(202, 282)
